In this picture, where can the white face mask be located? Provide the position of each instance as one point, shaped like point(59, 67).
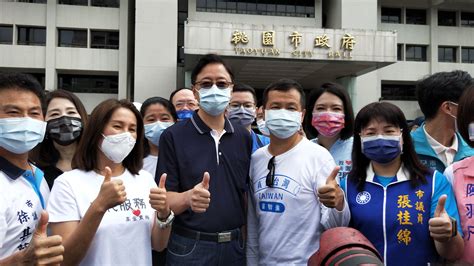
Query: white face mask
point(262, 127)
point(283, 123)
point(117, 147)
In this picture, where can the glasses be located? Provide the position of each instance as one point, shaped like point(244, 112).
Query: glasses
point(236, 106)
point(207, 84)
point(271, 172)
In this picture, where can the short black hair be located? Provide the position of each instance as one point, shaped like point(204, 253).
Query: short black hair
point(241, 87)
point(284, 85)
point(159, 100)
point(207, 60)
point(166, 104)
point(342, 94)
point(21, 81)
point(176, 91)
point(432, 91)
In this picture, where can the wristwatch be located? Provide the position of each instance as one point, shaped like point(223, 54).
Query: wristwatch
point(167, 222)
point(454, 226)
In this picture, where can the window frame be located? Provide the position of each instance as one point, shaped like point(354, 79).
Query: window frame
point(11, 33)
point(389, 16)
point(60, 44)
point(442, 51)
point(424, 50)
point(27, 41)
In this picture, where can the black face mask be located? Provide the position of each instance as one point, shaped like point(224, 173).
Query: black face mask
point(64, 130)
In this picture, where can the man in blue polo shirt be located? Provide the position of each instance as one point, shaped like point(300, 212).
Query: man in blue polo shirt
point(207, 160)
point(23, 190)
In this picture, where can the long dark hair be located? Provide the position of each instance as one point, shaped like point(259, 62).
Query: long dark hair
point(151, 101)
point(342, 94)
point(391, 114)
point(45, 154)
point(86, 153)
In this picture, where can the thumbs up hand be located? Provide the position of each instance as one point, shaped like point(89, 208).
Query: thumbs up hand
point(158, 199)
point(112, 192)
point(331, 194)
point(440, 225)
point(43, 249)
point(200, 197)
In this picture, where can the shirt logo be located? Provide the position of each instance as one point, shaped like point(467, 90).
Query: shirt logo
point(363, 197)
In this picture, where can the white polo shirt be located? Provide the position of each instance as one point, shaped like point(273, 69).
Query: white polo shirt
point(445, 154)
point(20, 206)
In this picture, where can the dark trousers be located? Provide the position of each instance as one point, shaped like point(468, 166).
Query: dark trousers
point(187, 251)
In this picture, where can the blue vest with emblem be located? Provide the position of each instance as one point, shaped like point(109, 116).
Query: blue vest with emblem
point(401, 233)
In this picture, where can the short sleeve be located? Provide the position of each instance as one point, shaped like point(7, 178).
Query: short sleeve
point(3, 220)
point(62, 204)
point(442, 187)
point(167, 162)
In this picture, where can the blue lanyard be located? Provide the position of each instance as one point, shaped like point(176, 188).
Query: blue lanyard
point(35, 182)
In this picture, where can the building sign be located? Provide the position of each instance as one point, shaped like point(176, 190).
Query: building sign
point(289, 42)
point(240, 40)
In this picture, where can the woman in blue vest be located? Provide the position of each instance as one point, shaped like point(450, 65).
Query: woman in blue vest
point(407, 211)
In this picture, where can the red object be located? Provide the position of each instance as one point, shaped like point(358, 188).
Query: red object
point(345, 246)
point(136, 212)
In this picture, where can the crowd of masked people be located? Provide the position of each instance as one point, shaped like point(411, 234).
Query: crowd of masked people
point(210, 178)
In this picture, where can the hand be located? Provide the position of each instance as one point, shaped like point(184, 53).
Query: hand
point(43, 249)
point(331, 194)
point(158, 199)
point(112, 192)
point(440, 225)
point(200, 197)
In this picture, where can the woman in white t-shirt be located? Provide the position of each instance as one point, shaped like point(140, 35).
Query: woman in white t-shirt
point(158, 114)
point(107, 210)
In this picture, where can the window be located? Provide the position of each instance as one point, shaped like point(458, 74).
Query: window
point(106, 3)
point(39, 77)
point(467, 19)
point(391, 15)
point(468, 55)
point(399, 92)
point(33, 1)
point(31, 35)
point(88, 83)
point(6, 34)
point(72, 38)
point(446, 54)
point(104, 39)
point(416, 16)
point(399, 52)
point(446, 18)
point(292, 8)
point(415, 53)
point(74, 2)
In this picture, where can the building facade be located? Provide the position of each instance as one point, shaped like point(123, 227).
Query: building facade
point(138, 49)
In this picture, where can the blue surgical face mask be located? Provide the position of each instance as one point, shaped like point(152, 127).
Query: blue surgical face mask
point(243, 116)
point(184, 114)
point(283, 123)
point(153, 131)
point(214, 100)
point(20, 135)
point(381, 149)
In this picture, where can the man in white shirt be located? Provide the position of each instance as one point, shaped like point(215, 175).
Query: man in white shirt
point(437, 142)
point(292, 184)
point(23, 190)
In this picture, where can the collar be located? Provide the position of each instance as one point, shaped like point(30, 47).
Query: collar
point(11, 170)
point(402, 174)
point(202, 128)
point(438, 147)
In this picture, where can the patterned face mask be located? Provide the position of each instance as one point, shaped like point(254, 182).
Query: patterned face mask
point(64, 130)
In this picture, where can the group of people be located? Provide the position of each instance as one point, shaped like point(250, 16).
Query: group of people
point(191, 179)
